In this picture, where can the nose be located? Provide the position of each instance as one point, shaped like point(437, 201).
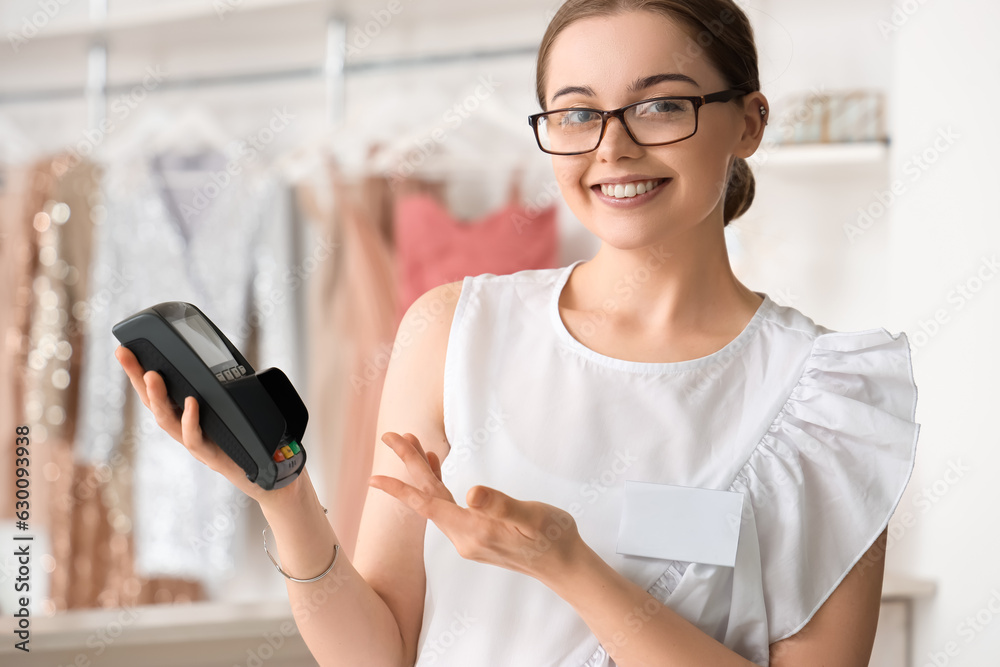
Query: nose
point(616, 142)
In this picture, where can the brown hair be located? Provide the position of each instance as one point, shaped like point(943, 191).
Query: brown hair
point(722, 33)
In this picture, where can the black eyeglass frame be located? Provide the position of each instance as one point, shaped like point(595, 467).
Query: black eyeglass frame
point(697, 100)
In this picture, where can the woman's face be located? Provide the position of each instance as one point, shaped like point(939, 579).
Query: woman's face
point(606, 56)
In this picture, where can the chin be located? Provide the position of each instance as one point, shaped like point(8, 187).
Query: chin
point(620, 234)
point(623, 234)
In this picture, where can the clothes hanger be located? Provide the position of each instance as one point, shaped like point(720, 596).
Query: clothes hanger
point(478, 148)
point(178, 149)
point(303, 162)
point(487, 143)
point(189, 130)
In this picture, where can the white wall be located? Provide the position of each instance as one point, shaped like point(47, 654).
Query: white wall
point(792, 242)
point(943, 228)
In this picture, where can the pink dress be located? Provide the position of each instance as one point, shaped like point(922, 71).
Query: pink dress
point(351, 324)
point(433, 247)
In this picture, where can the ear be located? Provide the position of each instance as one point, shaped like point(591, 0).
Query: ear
point(756, 114)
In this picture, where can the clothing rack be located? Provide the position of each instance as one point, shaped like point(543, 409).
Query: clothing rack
point(44, 95)
point(334, 70)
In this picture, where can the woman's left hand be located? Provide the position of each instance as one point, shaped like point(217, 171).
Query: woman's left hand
point(524, 536)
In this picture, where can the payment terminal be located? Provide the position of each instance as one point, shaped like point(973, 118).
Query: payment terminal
point(256, 418)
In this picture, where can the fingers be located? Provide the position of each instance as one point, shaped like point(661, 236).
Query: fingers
point(134, 371)
point(435, 464)
point(152, 391)
point(185, 429)
point(414, 499)
point(408, 449)
point(209, 453)
point(416, 444)
point(161, 407)
point(432, 459)
point(441, 510)
point(191, 433)
point(191, 429)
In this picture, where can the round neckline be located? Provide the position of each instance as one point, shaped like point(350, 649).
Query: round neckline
point(731, 348)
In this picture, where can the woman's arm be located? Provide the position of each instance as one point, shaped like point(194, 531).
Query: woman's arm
point(390, 547)
point(842, 631)
point(341, 618)
point(638, 631)
point(367, 610)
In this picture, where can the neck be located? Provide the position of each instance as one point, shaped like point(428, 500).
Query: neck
point(682, 283)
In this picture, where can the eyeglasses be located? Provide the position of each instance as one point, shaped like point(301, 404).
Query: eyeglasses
point(654, 122)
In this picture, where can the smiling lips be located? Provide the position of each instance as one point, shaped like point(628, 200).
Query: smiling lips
point(629, 190)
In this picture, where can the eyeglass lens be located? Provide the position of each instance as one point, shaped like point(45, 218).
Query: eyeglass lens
point(652, 122)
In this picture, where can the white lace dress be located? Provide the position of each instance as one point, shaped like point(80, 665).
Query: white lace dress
point(228, 254)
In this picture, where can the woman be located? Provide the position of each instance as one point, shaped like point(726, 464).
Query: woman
point(538, 395)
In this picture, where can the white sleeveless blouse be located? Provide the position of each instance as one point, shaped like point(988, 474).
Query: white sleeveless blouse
point(814, 427)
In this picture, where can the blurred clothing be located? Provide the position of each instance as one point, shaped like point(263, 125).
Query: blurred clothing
point(65, 231)
point(352, 326)
point(48, 213)
point(60, 294)
point(172, 233)
point(435, 248)
point(23, 192)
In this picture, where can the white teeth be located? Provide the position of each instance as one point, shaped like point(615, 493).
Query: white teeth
point(628, 190)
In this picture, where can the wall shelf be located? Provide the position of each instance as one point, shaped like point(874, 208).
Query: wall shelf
point(198, 634)
point(816, 155)
point(900, 587)
point(160, 17)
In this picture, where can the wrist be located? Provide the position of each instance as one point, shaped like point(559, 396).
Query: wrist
point(298, 494)
point(303, 541)
point(576, 560)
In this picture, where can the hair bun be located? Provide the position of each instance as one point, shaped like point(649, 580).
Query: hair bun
point(739, 191)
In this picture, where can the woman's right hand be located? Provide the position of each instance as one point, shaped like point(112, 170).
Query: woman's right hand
point(186, 428)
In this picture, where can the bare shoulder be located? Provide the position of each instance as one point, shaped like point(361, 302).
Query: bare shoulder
point(422, 339)
point(431, 314)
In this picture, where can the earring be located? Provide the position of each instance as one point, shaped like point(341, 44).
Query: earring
point(763, 111)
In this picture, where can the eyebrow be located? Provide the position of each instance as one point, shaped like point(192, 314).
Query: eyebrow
point(637, 85)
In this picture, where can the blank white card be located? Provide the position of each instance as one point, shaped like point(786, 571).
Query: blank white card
point(680, 523)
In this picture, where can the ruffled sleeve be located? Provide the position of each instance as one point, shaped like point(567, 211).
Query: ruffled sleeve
point(829, 472)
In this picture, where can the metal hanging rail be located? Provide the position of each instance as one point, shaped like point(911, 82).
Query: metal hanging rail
point(70, 92)
point(334, 70)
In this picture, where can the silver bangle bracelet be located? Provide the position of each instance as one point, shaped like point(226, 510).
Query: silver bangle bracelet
point(336, 553)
